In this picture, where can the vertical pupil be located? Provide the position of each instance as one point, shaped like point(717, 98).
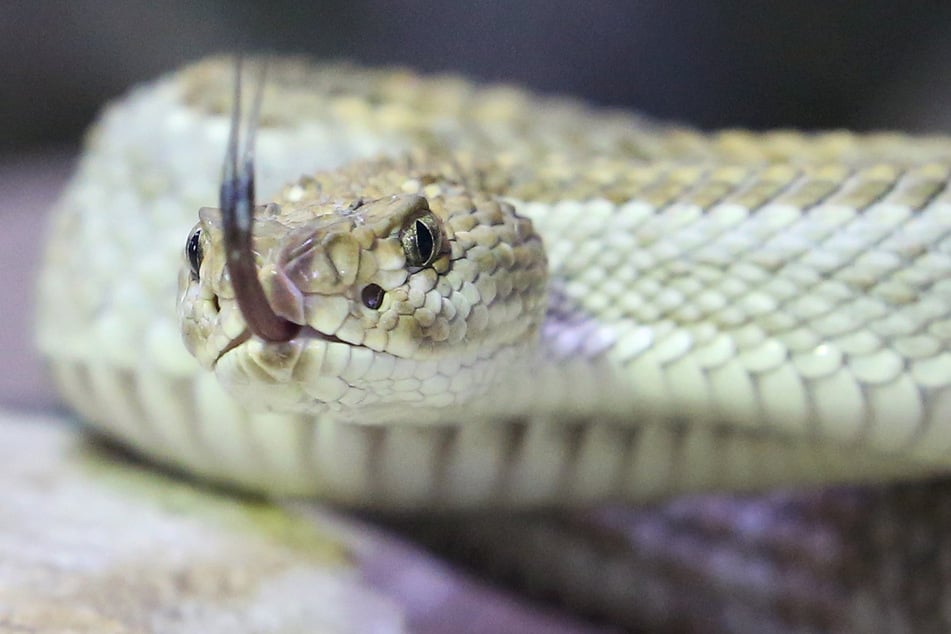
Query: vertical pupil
point(193, 252)
point(424, 241)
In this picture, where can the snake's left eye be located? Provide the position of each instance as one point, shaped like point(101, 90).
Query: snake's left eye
point(194, 253)
point(422, 240)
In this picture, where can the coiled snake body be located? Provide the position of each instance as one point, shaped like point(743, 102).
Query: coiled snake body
point(718, 311)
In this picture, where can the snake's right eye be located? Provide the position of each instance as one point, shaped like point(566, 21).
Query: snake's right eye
point(422, 240)
point(194, 253)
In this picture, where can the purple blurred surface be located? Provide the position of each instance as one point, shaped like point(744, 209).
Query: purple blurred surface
point(28, 187)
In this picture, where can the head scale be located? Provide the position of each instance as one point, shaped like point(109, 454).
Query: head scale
point(398, 305)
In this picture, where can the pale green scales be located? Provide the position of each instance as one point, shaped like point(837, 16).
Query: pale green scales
point(723, 311)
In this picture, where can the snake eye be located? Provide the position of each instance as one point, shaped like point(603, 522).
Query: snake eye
point(194, 253)
point(422, 240)
point(372, 296)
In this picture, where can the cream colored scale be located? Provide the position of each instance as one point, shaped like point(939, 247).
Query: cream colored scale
point(724, 311)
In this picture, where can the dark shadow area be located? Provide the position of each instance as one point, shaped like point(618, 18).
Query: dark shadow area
point(807, 64)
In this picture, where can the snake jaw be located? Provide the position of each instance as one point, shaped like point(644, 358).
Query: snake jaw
point(215, 324)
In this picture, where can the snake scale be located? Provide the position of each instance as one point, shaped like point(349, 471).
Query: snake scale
point(507, 301)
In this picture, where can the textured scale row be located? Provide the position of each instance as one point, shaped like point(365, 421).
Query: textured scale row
point(804, 297)
point(524, 464)
point(819, 317)
point(727, 310)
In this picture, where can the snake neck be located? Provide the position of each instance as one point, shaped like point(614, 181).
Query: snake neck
point(567, 373)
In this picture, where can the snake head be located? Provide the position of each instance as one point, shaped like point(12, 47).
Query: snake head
point(399, 303)
point(406, 299)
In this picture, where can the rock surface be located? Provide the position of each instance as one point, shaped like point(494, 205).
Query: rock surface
point(91, 543)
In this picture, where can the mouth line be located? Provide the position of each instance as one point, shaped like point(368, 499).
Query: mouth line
point(306, 332)
point(234, 343)
point(310, 333)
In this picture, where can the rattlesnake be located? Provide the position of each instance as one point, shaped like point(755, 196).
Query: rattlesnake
point(605, 308)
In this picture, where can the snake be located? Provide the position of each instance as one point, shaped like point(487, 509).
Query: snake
point(463, 297)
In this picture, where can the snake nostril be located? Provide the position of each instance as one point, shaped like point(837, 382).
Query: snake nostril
point(216, 305)
point(372, 296)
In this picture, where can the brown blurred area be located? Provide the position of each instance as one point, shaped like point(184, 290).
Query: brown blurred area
point(862, 63)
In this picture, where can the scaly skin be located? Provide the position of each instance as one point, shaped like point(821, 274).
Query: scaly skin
point(725, 311)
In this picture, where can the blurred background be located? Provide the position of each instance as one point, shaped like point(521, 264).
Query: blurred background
point(866, 63)
point(808, 64)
